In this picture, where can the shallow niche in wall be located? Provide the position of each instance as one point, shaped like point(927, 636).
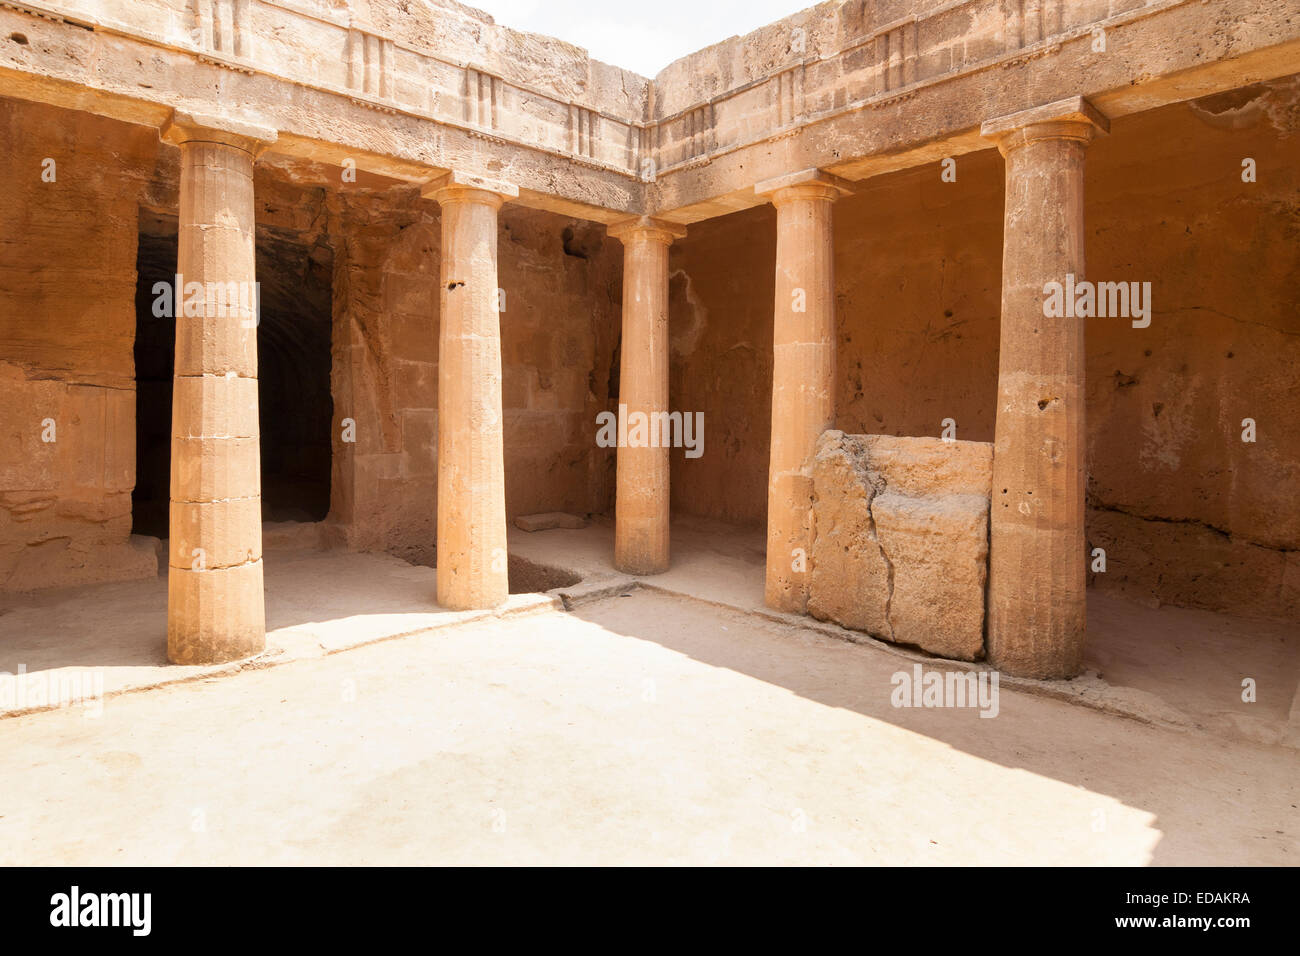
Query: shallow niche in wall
point(293, 356)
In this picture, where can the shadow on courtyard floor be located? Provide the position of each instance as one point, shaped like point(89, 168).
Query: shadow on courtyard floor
point(1188, 796)
point(1196, 787)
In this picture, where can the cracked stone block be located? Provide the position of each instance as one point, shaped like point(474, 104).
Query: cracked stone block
point(901, 546)
point(851, 580)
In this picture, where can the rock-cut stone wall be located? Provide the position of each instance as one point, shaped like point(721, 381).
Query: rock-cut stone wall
point(67, 387)
point(902, 539)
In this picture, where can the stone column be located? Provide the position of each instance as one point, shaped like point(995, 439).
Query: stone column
point(1037, 557)
point(215, 609)
point(641, 512)
point(472, 557)
point(803, 373)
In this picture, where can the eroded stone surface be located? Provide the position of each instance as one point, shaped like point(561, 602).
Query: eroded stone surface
point(641, 533)
point(901, 545)
point(1037, 577)
point(1187, 512)
point(404, 90)
point(548, 520)
point(803, 372)
point(67, 392)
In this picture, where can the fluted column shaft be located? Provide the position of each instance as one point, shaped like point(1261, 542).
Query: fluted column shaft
point(641, 515)
point(803, 374)
point(215, 606)
point(1037, 558)
point(472, 558)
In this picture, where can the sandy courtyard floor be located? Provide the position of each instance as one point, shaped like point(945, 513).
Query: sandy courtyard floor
point(639, 729)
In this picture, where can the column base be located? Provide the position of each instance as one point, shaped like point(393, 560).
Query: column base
point(485, 597)
point(641, 568)
point(215, 616)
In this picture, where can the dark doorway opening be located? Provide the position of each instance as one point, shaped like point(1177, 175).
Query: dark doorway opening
point(293, 359)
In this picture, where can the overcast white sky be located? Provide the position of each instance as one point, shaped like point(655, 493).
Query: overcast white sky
point(638, 34)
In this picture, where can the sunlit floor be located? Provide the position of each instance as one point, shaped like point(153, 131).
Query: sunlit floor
point(667, 725)
point(634, 730)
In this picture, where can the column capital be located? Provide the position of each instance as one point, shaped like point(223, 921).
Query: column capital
point(646, 228)
point(1073, 118)
point(186, 127)
point(805, 184)
point(457, 185)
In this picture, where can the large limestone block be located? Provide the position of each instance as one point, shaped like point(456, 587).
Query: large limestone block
point(901, 546)
point(921, 467)
point(938, 549)
point(850, 576)
point(57, 435)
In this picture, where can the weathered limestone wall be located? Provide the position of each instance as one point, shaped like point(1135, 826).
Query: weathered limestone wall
point(1187, 513)
point(67, 323)
point(294, 268)
point(902, 539)
point(889, 43)
point(68, 255)
point(721, 288)
point(384, 374)
point(375, 74)
point(401, 50)
point(559, 338)
point(561, 280)
point(857, 88)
